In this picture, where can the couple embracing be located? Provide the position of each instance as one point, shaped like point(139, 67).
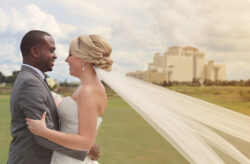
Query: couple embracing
point(43, 131)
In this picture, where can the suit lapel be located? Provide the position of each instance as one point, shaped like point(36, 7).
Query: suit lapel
point(24, 68)
point(47, 87)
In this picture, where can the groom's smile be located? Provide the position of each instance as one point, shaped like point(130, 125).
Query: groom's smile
point(48, 55)
point(52, 63)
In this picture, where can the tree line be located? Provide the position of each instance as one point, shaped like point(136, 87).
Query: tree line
point(208, 83)
point(11, 79)
point(8, 79)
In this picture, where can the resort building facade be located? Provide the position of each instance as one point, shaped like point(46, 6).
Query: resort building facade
point(181, 65)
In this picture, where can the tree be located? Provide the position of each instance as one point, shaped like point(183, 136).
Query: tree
point(11, 79)
point(64, 84)
point(2, 77)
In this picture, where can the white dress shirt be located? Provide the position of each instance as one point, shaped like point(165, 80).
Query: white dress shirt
point(35, 69)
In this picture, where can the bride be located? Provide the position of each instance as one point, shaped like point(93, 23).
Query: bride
point(80, 114)
point(202, 132)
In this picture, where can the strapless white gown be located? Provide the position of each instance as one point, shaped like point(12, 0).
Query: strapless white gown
point(68, 114)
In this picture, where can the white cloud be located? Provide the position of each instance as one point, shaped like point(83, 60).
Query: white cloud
point(62, 52)
point(10, 58)
point(94, 10)
point(4, 21)
point(136, 29)
point(7, 69)
point(214, 24)
point(9, 53)
point(18, 22)
point(238, 70)
point(31, 17)
point(219, 28)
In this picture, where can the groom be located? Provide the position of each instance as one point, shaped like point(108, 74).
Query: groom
point(31, 97)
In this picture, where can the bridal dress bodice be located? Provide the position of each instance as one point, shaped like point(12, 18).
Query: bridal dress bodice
point(68, 114)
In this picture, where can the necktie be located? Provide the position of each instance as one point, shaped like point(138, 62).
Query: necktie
point(46, 82)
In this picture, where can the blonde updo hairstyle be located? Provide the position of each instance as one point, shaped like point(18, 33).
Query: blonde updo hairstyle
point(93, 49)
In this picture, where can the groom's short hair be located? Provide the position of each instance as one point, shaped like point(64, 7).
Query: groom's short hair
point(31, 39)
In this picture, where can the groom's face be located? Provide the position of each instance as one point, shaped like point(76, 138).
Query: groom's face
point(47, 54)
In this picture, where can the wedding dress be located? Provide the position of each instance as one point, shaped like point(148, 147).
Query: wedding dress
point(68, 114)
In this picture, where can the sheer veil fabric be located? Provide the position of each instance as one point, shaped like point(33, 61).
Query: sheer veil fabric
point(202, 132)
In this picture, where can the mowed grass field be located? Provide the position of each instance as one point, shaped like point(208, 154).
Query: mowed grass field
point(4, 128)
point(231, 97)
point(124, 137)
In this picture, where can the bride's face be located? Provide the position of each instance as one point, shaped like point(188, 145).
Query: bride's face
point(75, 64)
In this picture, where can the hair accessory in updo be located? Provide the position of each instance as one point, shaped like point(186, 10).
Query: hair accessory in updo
point(93, 49)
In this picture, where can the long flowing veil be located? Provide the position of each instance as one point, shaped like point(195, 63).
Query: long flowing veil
point(202, 132)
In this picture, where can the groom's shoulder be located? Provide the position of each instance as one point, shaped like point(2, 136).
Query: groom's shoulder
point(26, 78)
point(25, 83)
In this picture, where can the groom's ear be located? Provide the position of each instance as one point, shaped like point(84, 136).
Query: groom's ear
point(34, 51)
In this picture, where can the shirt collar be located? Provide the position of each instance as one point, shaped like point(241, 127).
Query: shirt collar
point(35, 69)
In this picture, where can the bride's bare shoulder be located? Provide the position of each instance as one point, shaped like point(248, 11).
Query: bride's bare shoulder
point(89, 91)
point(95, 97)
point(92, 92)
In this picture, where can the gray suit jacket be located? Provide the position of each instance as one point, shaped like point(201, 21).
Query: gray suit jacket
point(30, 97)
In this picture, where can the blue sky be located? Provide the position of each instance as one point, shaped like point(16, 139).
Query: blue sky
point(136, 29)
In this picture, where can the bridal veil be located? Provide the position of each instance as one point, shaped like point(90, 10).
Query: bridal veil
point(202, 132)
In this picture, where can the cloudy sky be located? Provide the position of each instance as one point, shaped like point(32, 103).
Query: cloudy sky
point(136, 29)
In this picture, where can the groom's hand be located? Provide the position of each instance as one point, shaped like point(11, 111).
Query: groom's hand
point(94, 152)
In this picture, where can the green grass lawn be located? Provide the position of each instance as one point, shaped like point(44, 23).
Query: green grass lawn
point(5, 137)
point(231, 97)
point(125, 138)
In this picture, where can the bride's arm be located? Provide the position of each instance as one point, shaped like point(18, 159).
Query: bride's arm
point(87, 120)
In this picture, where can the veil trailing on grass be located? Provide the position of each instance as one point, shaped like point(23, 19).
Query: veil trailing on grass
point(202, 132)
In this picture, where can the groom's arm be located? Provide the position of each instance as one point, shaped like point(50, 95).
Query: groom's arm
point(33, 103)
